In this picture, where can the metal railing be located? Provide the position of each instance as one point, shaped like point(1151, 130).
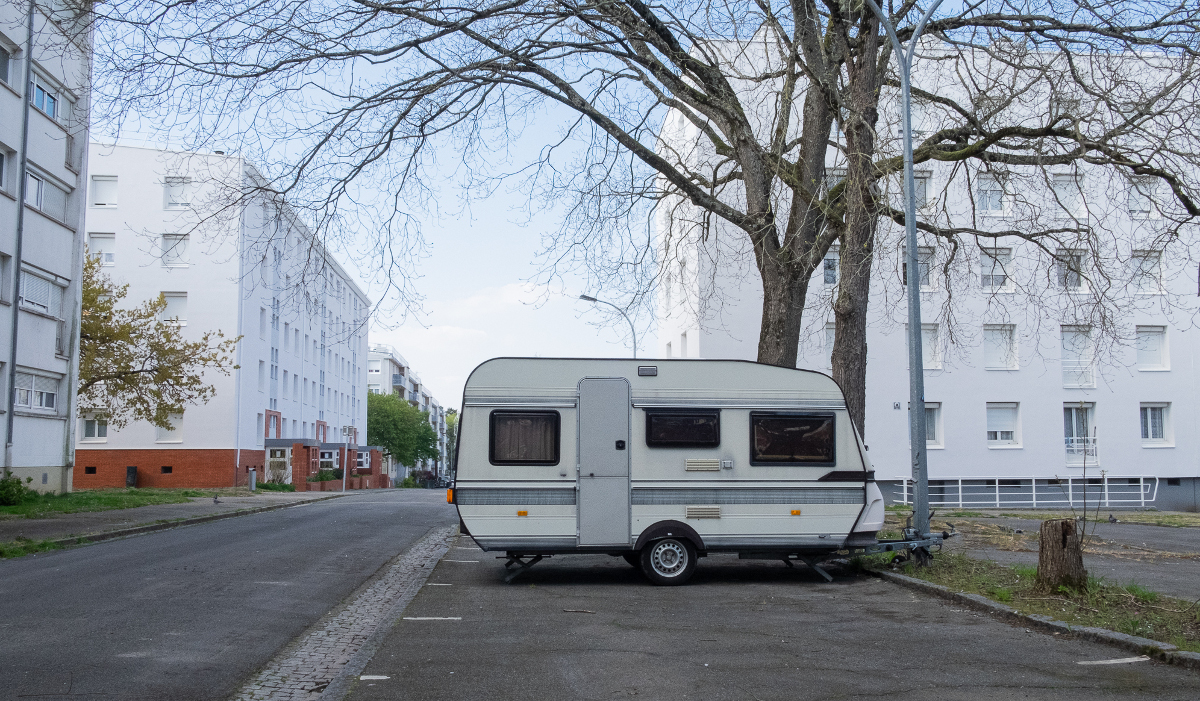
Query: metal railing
point(1038, 493)
point(1081, 450)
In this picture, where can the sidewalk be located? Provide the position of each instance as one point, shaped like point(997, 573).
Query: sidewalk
point(88, 523)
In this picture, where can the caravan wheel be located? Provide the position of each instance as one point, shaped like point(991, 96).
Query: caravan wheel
point(669, 561)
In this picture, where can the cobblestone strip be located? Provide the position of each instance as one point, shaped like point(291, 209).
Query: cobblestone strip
point(306, 667)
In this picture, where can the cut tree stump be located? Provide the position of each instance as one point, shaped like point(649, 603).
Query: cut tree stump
point(1060, 555)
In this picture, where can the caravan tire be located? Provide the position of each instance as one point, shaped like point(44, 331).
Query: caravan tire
point(669, 561)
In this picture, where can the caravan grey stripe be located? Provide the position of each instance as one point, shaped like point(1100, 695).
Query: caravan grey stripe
point(472, 496)
point(803, 495)
point(794, 404)
point(522, 403)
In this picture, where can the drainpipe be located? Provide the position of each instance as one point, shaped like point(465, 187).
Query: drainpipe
point(16, 267)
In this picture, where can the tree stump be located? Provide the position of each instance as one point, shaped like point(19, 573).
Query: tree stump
point(1060, 555)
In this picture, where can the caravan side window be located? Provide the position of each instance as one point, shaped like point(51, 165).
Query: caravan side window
point(684, 428)
point(524, 438)
point(791, 439)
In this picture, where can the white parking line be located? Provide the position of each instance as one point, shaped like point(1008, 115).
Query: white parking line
point(433, 618)
point(1123, 660)
point(438, 584)
point(373, 677)
point(475, 561)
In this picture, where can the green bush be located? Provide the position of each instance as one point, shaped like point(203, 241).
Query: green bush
point(273, 487)
point(325, 476)
point(409, 483)
point(13, 491)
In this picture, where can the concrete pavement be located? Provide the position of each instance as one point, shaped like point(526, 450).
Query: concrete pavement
point(590, 627)
point(191, 613)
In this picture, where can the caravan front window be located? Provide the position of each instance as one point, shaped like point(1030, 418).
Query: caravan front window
point(791, 439)
point(524, 438)
point(683, 428)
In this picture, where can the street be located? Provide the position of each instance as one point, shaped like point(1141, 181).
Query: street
point(191, 613)
point(590, 627)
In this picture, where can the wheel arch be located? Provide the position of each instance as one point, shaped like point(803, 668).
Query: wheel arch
point(669, 529)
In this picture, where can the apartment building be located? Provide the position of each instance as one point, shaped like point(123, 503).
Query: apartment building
point(1053, 376)
point(44, 93)
point(388, 371)
point(198, 229)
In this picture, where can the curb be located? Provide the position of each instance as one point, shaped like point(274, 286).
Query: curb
point(138, 530)
point(1164, 652)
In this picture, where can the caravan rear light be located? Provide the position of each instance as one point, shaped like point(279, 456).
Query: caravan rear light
point(449, 496)
point(795, 512)
point(522, 513)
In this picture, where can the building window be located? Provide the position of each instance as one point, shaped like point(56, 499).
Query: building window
point(1068, 267)
point(95, 428)
point(1142, 197)
point(1145, 271)
point(103, 245)
point(924, 262)
point(176, 310)
point(999, 347)
point(792, 439)
point(1078, 430)
point(831, 270)
point(5, 62)
point(921, 188)
point(993, 269)
point(933, 424)
point(262, 323)
point(683, 428)
point(830, 338)
point(931, 352)
point(1152, 348)
point(262, 375)
point(173, 434)
point(40, 295)
point(174, 250)
point(104, 191)
point(89, 470)
point(1068, 194)
point(1173, 482)
point(43, 96)
point(1155, 430)
point(1002, 423)
point(989, 195)
point(524, 438)
point(37, 393)
point(1077, 357)
point(167, 469)
point(45, 196)
point(34, 187)
point(178, 193)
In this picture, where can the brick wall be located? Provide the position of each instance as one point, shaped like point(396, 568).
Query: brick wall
point(189, 467)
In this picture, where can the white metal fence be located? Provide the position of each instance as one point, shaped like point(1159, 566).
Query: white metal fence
point(1081, 451)
point(1037, 493)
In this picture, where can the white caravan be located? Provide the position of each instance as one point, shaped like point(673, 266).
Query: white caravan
point(661, 462)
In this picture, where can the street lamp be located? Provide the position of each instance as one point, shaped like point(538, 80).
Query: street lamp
point(916, 374)
point(632, 332)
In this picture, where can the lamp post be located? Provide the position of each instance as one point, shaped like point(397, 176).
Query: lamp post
point(632, 332)
point(916, 374)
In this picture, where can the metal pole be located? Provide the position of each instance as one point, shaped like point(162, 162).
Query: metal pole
point(21, 195)
point(916, 375)
point(632, 332)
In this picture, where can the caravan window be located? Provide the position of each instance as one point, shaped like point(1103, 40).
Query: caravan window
point(683, 428)
point(791, 439)
point(524, 438)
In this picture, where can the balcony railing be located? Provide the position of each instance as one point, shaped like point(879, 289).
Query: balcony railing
point(397, 380)
point(1081, 451)
point(1078, 373)
point(1037, 492)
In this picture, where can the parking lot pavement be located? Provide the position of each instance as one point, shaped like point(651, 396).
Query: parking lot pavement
point(591, 627)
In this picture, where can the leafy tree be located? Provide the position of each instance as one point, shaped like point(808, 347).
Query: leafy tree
point(401, 428)
point(133, 366)
point(451, 432)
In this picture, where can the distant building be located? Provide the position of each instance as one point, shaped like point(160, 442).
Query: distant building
point(41, 243)
point(388, 371)
point(175, 223)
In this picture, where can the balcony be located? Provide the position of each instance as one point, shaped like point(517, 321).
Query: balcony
point(1081, 451)
point(1078, 374)
point(397, 380)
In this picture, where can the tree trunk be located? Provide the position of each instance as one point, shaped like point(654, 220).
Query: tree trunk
point(1060, 555)
point(782, 313)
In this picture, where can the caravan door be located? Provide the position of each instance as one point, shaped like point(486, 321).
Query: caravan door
point(603, 503)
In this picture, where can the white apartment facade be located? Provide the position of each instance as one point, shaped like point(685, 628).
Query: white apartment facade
point(1035, 396)
point(41, 244)
point(388, 371)
point(171, 223)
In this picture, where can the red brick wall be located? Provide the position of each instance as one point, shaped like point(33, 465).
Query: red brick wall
point(190, 467)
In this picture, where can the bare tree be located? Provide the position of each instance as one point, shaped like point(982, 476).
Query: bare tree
point(335, 99)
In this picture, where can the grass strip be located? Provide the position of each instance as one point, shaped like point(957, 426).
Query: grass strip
point(1132, 609)
point(100, 500)
point(26, 546)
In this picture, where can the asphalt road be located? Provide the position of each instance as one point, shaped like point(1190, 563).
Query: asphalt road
point(190, 613)
point(590, 627)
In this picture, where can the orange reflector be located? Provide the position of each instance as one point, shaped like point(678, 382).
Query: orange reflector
point(795, 512)
point(522, 513)
point(449, 496)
